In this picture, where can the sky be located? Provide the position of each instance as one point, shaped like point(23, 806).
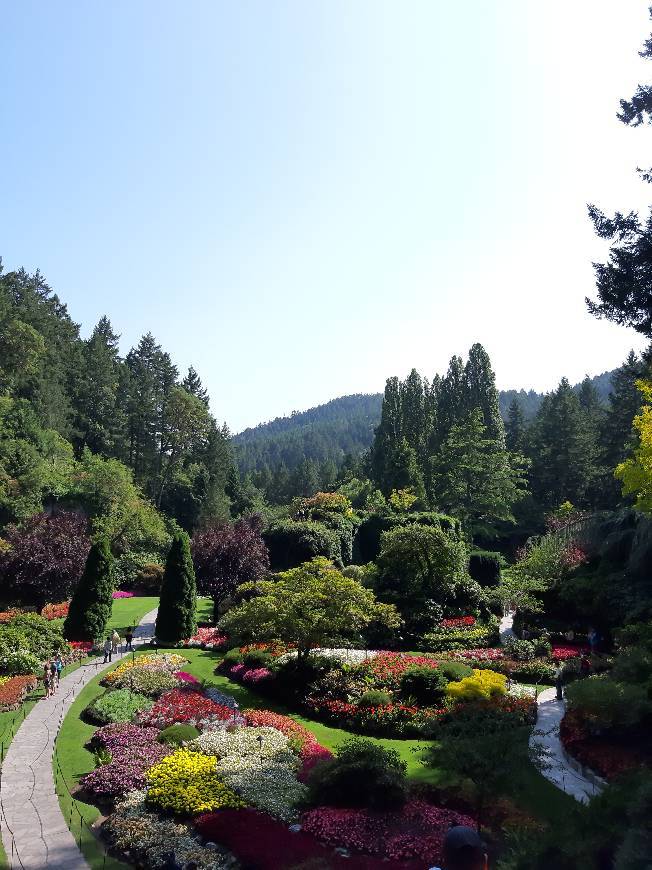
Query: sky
point(303, 199)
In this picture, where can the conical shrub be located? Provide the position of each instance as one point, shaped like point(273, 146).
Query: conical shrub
point(176, 618)
point(90, 607)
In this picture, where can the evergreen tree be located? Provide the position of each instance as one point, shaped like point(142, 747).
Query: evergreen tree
point(176, 619)
point(452, 404)
point(192, 383)
point(92, 602)
point(515, 428)
point(482, 393)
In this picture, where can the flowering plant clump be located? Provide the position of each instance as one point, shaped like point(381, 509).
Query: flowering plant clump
point(14, 690)
point(148, 680)
point(342, 655)
point(187, 705)
point(488, 654)
point(258, 742)
point(82, 645)
point(119, 706)
point(123, 735)
point(395, 718)
point(256, 675)
point(56, 611)
point(220, 698)
point(267, 785)
point(8, 615)
point(416, 831)
point(120, 594)
point(149, 838)
point(209, 638)
point(185, 677)
point(483, 684)
point(568, 651)
point(274, 647)
point(125, 771)
point(458, 622)
point(187, 783)
point(387, 668)
point(304, 740)
point(165, 661)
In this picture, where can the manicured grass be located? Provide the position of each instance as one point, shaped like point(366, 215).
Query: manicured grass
point(127, 612)
point(205, 610)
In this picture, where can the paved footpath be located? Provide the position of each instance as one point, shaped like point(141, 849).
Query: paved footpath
point(34, 832)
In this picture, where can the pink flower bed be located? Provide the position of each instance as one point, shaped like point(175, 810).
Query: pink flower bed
point(256, 675)
point(185, 677)
point(186, 705)
point(133, 750)
point(415, 832)
point(489, 654)
point(209, 637)
point(120, 594)
point(563, 652)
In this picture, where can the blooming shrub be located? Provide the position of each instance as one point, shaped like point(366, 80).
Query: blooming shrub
point(163, 661)
point(568, 651)
point(14, 690)
point(254, 676)
point(125, 771)
point(458, 622)
point(415, 831)
point(148, 680)
point(483, 684)
point(187, 705)
point(186, 783)
point(209, 638)
point(398, 719)
point(119, 706)
point(149, 839)
point(120, 594)
point(20, 661)
point(56, 611)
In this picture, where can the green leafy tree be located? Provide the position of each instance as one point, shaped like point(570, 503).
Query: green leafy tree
point(176, 619)
point(313, 605)
point(91, 603)
point(515, 428)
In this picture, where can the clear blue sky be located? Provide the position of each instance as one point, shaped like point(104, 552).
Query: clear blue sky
point(303, 198)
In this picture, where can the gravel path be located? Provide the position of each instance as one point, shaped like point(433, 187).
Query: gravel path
point(34, 832)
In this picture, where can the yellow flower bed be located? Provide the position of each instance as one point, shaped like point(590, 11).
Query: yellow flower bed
point(187, 783)
point(483, 685)
point(4, 680)
point(166, 661)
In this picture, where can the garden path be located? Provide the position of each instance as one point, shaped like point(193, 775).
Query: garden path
point(34, 832)
point(506, 630)
point(550, 712)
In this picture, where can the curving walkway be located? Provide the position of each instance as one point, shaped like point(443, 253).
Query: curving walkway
point(506, 630)
point(34, 832)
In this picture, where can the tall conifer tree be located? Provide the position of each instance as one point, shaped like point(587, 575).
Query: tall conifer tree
point(92, 601)
point(176, 619)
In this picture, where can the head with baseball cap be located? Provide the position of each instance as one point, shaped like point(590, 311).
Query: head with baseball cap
point(464, 850)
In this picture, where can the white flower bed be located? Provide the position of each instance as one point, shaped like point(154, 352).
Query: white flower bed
point(245, 742)
point(345, 656)
point(271, 787)
point(519, 691)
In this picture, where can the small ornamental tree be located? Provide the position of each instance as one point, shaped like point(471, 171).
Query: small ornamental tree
point(225, 556)
point(44, 558)
point(90, 607)
point(176, 619)
point(310, 606)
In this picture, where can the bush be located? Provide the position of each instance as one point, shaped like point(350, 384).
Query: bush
point(520, 650)
point(292, 543)
point(119, 706)
point(485, 567)
point(178, 734)
point(33, 633)
point(257, 658)
point(375, 698)
point(455, 670)
point(443, 640)
point(609, 704)
point(233, 657)
point(362, 774)
point(482, 685)
point(426, 685)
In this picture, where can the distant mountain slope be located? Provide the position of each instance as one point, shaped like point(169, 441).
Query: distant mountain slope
point(345, 425)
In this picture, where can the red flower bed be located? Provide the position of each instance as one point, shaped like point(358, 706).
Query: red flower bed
point(14, 691)
point(458, 622)
point(395, 718)
point(606, 757)
point(388, 667)
point(8, 615)
point(416, 831)
point(566, 651)
point(488, 654)
point(56, 611)
point(259, 841)
point(185, 705)
point(83, 645)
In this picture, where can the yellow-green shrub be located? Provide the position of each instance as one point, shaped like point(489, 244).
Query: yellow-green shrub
point(482, 685)
point(187, 783)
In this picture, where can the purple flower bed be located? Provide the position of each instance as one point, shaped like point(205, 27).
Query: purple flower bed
point(185, 677)
point(256, 675)
point(121, 594)
point(133, 751)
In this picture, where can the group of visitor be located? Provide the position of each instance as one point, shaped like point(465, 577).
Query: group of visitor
point(112, 644)
point(52, 676)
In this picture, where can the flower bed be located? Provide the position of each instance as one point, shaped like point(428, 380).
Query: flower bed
point(120, 705)
point(458, 622)
point(398, 719)
point(416, 831)
point(485, 654)
point(82, 645)
point(8, 615)
point(56, 611)
point(387, 668)
point(158, 661)
point(607, 757)
point(186, 783)
point(564, 652)
point(187, 705)
point(14, 690)
point(120, 594)
point(208, 638)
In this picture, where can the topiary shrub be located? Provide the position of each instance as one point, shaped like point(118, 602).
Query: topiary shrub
point(257, 658)
point(175, 735)
point(361, 774)
point(485, 567)
point(455, 670)
point(91, 604)
point(426, 685)
point(176, 618)
point(375, 698)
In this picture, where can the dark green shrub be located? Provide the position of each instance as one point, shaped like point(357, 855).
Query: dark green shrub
point(292, 678)
point(178, 734)
point(362, 774)
point(292, 543)
point(426, 685)
point(257, 658)
point(454, 671)
point(176, 619)
point(485, 567)
point(520, 650)
point(233, 657)
point(375, 698)
point(91, 604)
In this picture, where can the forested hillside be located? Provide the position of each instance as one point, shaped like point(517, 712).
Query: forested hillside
point(319, 440)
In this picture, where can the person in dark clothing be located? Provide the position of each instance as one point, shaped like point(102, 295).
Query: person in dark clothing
point(463, 850)
point(129, 636)
point(108, 650)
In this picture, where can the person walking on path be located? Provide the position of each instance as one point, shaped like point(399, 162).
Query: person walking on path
point(108, 650)
point(47, 679)
point(593, 639)
point(53, 676)
point(129, 636)
point(115, 641)
point(59, 666)
point(559, 680)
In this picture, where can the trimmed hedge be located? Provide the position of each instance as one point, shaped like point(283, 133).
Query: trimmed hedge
point(485, 567)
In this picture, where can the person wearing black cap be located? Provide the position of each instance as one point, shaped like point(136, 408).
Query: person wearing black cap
point(463, 850)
